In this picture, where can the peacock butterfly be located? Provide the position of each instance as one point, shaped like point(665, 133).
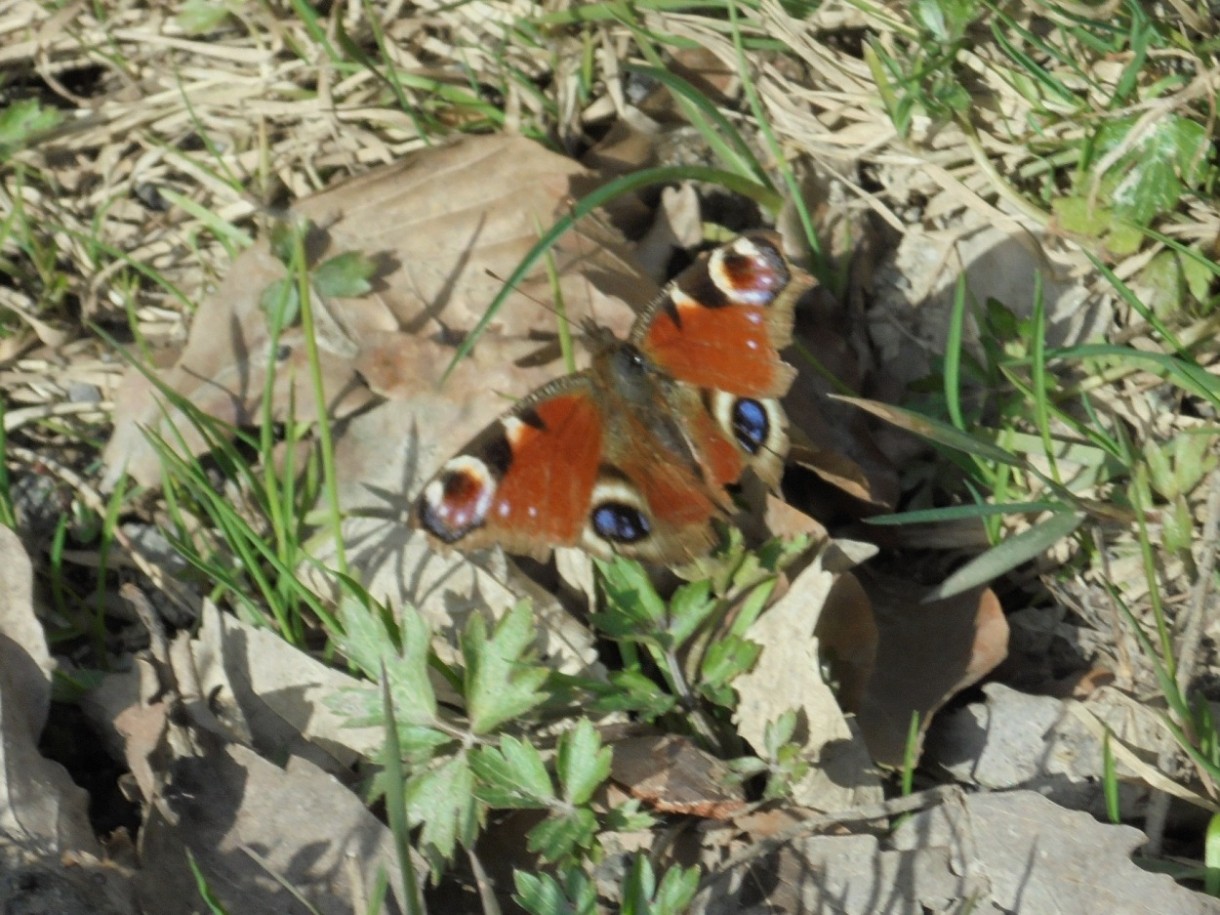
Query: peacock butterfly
point(632, 456)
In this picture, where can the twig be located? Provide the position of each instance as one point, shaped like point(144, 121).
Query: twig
point(880, 811)
point(1192, 633)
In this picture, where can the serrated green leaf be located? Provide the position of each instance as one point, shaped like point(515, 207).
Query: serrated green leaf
point(751, 608)
point(726, 658)
point(638, 888)
point(1177, 527)
point(634, 608)
point(21, 122)
point(281, 303)
point(198, 17)
point(561, 835)
point(582, 762)
point(368, 643)
point(512, 776)
point(1197, 275)
point(690, 606)
point(443, 801)
point(635, 692)
point(678, 888)
point(500, 683)
point(945, 19)
point(1160, 472)
point(779, 732)
point(1193, 457)
point(1162, 284)
point(345, 275)
point(628, 817)
point(744, 767)
point(541, 894)
point(1080, 215)
point(1149, 178)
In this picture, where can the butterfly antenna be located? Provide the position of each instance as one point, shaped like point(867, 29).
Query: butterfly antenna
point(564, 324)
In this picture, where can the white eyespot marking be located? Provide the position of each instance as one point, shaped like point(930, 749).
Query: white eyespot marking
point(457, 499)
point(683, 301)
point(754, 284)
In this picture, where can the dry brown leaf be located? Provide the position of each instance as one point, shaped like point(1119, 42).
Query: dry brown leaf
point(833, 441)
point(672, 775)
point(1015, 740)
point(1038, 857)
point(261, 835)
point(915, 290)
point(787, 676)
point(446, 227)
point(848, 635)
point(278, 691)
point(926, 654)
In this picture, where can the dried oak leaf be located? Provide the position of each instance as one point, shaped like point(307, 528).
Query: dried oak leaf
point(787, 676)
point(445, 228)
point(992, 853)
point(672, 775)
point(926, 654)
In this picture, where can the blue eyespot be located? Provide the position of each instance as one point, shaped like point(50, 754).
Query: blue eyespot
point(620, 523)
point(750, 425)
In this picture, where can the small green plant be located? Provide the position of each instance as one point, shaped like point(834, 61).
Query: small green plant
point(483, 750)
point(783, 760)
point(922, 76)
point(458, 766)
point(640, 894)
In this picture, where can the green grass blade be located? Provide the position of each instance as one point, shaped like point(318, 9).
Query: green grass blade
point(1008, 554)
point(624, 185)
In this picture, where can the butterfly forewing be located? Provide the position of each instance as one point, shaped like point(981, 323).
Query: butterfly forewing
point(722, 322)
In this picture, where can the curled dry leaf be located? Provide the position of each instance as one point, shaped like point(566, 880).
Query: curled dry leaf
point(445, 228)
point(926, 654)
point(787, 676)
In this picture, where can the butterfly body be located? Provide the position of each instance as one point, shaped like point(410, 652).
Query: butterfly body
point(633, 455)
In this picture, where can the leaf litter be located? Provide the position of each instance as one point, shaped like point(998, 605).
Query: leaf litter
point(392, 345)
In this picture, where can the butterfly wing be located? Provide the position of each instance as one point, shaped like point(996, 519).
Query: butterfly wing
point(719, 327)
point(526, 481)
point(631, 457)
